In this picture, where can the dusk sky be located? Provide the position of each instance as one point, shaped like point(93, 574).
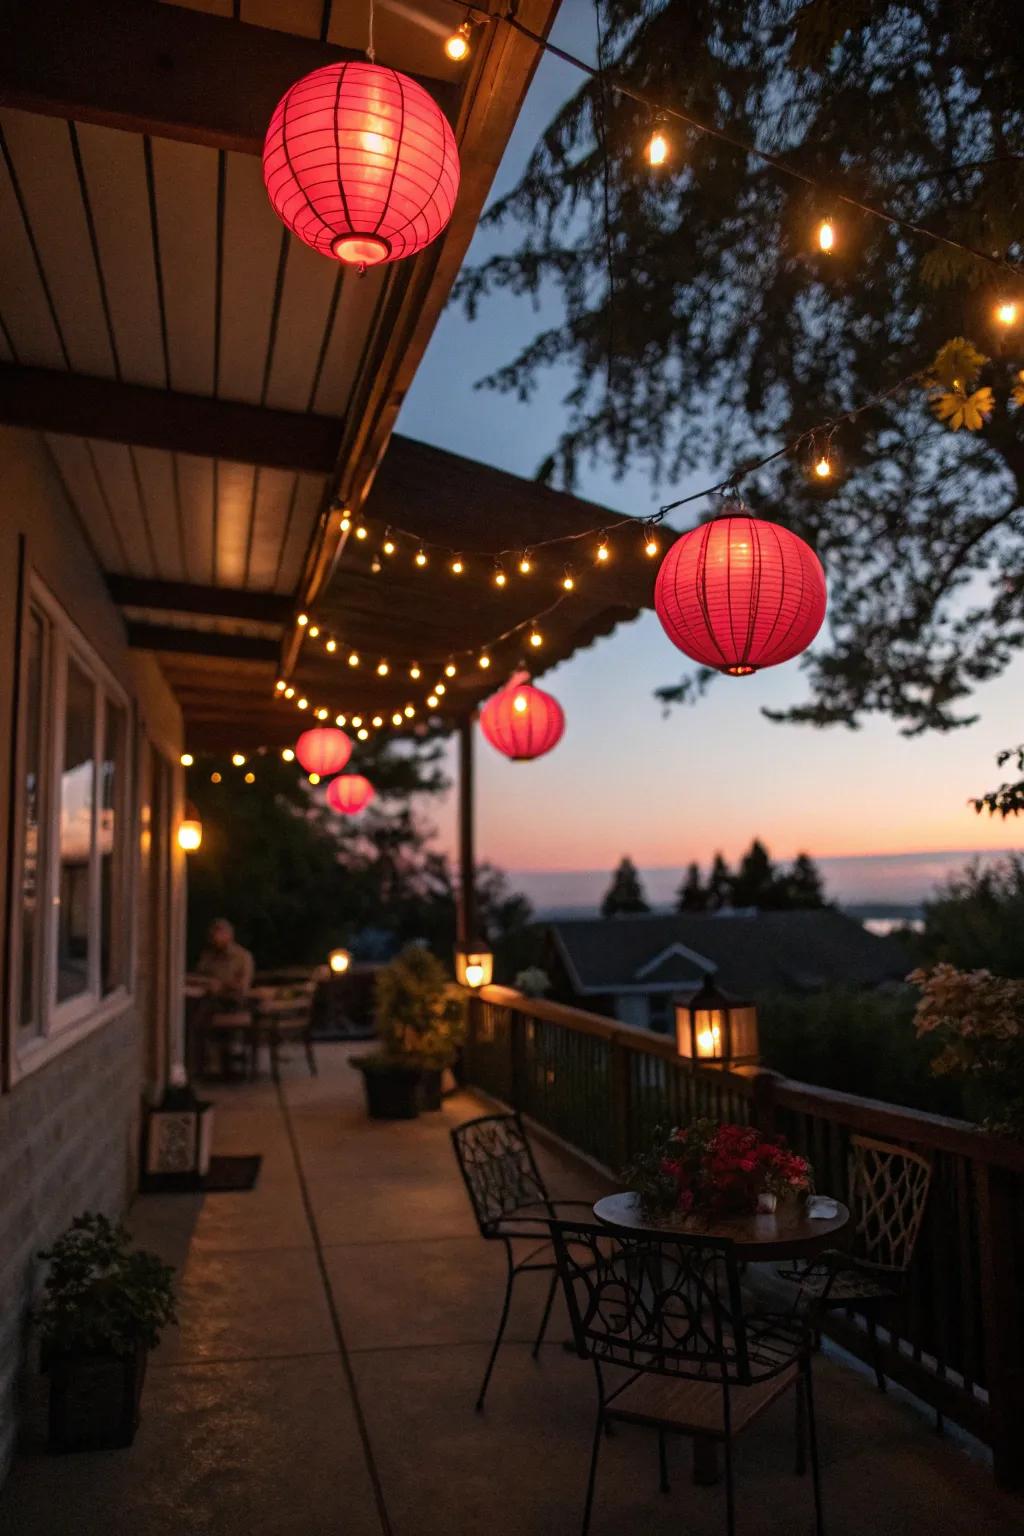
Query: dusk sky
point(627, 780)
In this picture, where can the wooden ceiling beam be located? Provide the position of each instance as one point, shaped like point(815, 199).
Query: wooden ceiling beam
point(189, 597)
point(72, 403)
point(164, 70)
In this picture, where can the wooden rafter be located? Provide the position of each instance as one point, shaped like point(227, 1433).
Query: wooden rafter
point(187, 597)
point(200, 642)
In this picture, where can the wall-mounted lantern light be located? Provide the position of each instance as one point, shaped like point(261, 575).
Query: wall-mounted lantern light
point(717, 1030)
point(474, 965)
point(339, 960)
point(190, 829)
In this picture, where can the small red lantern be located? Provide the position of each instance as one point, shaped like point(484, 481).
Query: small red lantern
point(323, 750)
point(740, 593)
point(522, 721)
point(361, 164)
point(350, 793)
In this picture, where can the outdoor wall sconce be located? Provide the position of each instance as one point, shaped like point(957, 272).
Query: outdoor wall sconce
point(716, 1029)
point(339, 961)
point(190, 829)
point(474, 966)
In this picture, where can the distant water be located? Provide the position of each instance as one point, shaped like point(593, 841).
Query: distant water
point(895, 884)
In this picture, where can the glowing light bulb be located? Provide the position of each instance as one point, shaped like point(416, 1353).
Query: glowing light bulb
point(826, 235)
point(823, 468)
point(361, 532)
point(457, 45)
point(657, 148)
point(215, 778)
point(314, 779)
point(457, 567)
point(357, 720)
point(332, 646)
point(449, 670)
point(186, 759)
point(388, 546)
point(499, 577)
point(280, 685)
point(432, 700)
point(536, 638)
point(340, 720)
point(250, 778)
point(409, 711)
point(288, 755)
point(321, 714)
point(651, 547)
point(314, 630)
point(484, 662)
point(421, 557)
point(396, 718)
point(568, 581)
point(289, 693)
point(353, 658)
point(303, 703)
point(414, 672)
point(520, 703)
point(1007, 313)
point(302, 620)
point(238, 758)
point(525, 566)
point(346, 524)
point(603, 552)
point(382, 669)
point(375, 565)
point(439, 688)
point(363, 734)
point(377, 722)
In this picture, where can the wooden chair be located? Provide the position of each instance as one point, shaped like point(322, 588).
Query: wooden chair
point(510, 1200)
point(888, 1193)
point(668, 1310)
point(285, 1015)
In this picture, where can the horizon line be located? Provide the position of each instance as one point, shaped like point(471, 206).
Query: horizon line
point(903, 853)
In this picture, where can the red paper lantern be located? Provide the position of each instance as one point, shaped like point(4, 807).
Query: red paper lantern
point(350, 793)
point(323, 750)
point(361, 163)
point(740, 593)
point(522, 721)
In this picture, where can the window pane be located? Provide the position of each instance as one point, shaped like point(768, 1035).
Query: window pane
point(34, 845)
point(74, 934)
point(112, 833)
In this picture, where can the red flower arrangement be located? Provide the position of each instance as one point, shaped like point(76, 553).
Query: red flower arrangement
point(717, 1169)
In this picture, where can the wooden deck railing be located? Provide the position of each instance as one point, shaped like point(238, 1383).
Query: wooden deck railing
point(603, 1087)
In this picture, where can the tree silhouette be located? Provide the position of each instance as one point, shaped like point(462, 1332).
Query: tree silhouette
point(755, 883)
point(719, 884)
point(804, 885)
point(625, 894)
point(693, 895)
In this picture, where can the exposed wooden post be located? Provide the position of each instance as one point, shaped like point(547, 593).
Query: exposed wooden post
point(466, 921)
point(999, 1239)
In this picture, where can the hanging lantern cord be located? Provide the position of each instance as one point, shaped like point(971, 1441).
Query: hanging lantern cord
point(371, 54)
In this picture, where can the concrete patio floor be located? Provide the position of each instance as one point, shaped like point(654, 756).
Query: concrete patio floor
point(335, 1322)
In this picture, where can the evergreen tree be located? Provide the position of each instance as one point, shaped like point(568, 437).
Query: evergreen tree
point(719, 884)
point(719, 303)
point(804, 886)
point(625, 894)
point(692, 896)
point(755, 883)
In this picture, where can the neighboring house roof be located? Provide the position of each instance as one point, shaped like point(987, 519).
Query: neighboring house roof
point(748, 954)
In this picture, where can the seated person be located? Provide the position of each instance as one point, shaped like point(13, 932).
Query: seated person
point(226, 965)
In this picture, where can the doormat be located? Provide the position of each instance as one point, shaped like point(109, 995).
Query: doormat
point(232, 1174)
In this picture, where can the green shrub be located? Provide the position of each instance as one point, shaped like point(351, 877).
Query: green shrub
point(102, 1296)
point(420, 1014)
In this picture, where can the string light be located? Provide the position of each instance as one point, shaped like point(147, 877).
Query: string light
point(357, 720)
point(823, 467)
point(288, 755)
point(238, 758)
point(421, 558)
point(377, 722)
point(603, 552)
point(536, 638)
point(382, 669)
point(389, 545)
point(525, 563)
point(332, 646)
point(280, 685)
point(409, 711)
point(500, 579)
point(340, 721)
point(321, 714)
point(1007, 312)
point(457, 566)
point(289, 693)
point(314, 779)
point(362, 532)
point(302, 620)
point(375, 565)
point(568, 581)
point(250, 778)
point(432, 700)
point(439, 688)
point(363, 734)
point(651, 545)
point(353, 658)
point(215, 778)
point(450, 669)
point(657, 147)
point(346, 523)
point(396, 718)
point(484, 662)
point(826, 236)
point(303, 704)
point(414, 672)
point(186, 759)
point(314, 630)
point(457, 45)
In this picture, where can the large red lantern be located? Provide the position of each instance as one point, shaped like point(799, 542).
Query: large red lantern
point(361, 163)
point(350, 794)
point(522, 721)
point(740, 593)
point(323, 750)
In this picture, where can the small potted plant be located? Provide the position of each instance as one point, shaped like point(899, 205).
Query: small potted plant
point(717, 1170)
point(420, 1022)
point(103, 1308)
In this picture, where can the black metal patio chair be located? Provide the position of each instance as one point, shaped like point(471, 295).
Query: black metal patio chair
point(888, 1193)
point(668, 1310)
point(510, 1202)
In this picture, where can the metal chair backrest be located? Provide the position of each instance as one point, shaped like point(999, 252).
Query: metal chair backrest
point(499, 1168)
point(668, 1305)
point(888, 1192)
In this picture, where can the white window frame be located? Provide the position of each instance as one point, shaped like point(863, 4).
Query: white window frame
point(61, 1024)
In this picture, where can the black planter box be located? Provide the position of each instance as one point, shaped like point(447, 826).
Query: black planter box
point(94, 1400)
point(430, 1088)
point(392, 1093)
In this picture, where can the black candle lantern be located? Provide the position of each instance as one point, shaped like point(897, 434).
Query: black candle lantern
point(717, 1030)
point(178, 1136)
point(474, 965)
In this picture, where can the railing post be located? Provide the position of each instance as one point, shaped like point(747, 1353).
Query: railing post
point(619, 1084)
point(762, 1109)
point(517, 1057)
point(1000, 1241)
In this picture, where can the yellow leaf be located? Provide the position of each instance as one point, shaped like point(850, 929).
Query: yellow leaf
point(958, 410)
point(1017, 392)
point(957, 364)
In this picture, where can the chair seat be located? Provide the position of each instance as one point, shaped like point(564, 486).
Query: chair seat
point(847, 1287)
point(237, 1020)
point(696, 1407)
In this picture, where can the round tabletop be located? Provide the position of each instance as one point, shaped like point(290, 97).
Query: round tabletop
point(786, 1233)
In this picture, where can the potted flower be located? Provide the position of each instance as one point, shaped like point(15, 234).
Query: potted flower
point(421, 1021)
point(716, 1170)
point(103, 1308)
